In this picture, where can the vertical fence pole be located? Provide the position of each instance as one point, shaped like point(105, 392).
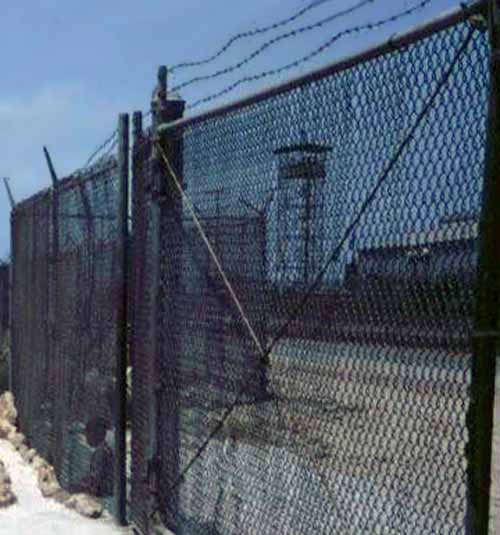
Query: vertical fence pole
point(12, 282)
point(122, 353)
point(171, 214)
point(137, 204)
point(57, 364)
point(157, 106)
point(164, 111)
point(486, 341)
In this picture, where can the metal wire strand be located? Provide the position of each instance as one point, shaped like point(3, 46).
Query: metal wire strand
point(249, 33)
point(100, 148)
point(304, 59)
point(210, 249)
point(266, 46)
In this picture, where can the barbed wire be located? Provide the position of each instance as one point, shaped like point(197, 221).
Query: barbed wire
point(100, 148)
point(265, 46)
point(274, 41)
point(316, 52)
point(249, 33)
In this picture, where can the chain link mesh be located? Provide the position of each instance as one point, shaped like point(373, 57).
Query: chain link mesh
point(67, 287)
point(4, 300)
point(353, 417)
point(4, 326)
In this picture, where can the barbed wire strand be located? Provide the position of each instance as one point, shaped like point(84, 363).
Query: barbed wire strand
point(265, 74)
point(100, 148)
point(267, 45)
point(249, 33)
point(335, 253)
point(272, 72)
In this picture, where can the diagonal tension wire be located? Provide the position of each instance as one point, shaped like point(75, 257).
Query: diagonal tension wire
point(272, 42)
point(211, 250)
point(304, 59)
point(365, 205)
point(250, 33)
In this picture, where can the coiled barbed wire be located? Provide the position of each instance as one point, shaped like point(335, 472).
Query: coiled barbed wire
point(100, 148)
point(272, 72)
point(250, 33)
point(274, 41)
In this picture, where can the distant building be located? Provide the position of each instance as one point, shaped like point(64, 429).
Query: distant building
point(447, 253)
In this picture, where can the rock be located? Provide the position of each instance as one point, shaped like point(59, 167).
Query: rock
point(28, 455)
point(47, 481)
point(4, 477)
point(38, 462)
point(16, 439)
point(7, 497)
point(8, 410)
point(6, 428)
point(85, 505)
point(61, 496)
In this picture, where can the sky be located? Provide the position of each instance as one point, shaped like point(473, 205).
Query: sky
point(70, 67)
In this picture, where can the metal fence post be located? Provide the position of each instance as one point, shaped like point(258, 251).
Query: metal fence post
point(56, 363)
point(157, 105)
point(487, 327)
point(122, 349)
point(12, 281)
point(171, 228)
point(164, 111)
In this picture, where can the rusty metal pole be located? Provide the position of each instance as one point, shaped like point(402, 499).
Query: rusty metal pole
point(12, 301)
point(165, 211)
point(171, 216)
point(487, 327)
point(56, 361)
point(158, 104)
point(120, 481)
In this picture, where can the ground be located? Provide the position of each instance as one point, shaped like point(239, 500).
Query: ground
point(495, 502)
point(35, 514)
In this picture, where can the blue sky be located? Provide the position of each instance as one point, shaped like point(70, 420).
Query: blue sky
point(69, 68)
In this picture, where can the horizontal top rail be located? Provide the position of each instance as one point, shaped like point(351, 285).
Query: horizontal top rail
point(394, 43)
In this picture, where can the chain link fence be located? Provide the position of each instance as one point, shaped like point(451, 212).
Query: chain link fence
point(304, 295)
point(67, 290)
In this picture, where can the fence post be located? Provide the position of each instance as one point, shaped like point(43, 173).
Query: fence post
point(11, 341)
point(56, 364)
point(171, 214)
point(12, 282)
point(122, 350)
point(157, 105)
point(487, 337)
point(164, 111)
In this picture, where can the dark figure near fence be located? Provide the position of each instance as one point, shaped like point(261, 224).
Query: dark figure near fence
point(99, 481)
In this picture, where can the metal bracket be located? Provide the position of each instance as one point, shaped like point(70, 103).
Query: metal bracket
point(479, 22)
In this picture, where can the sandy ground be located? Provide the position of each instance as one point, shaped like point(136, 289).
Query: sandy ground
point(33, 514)
point(380, 431)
